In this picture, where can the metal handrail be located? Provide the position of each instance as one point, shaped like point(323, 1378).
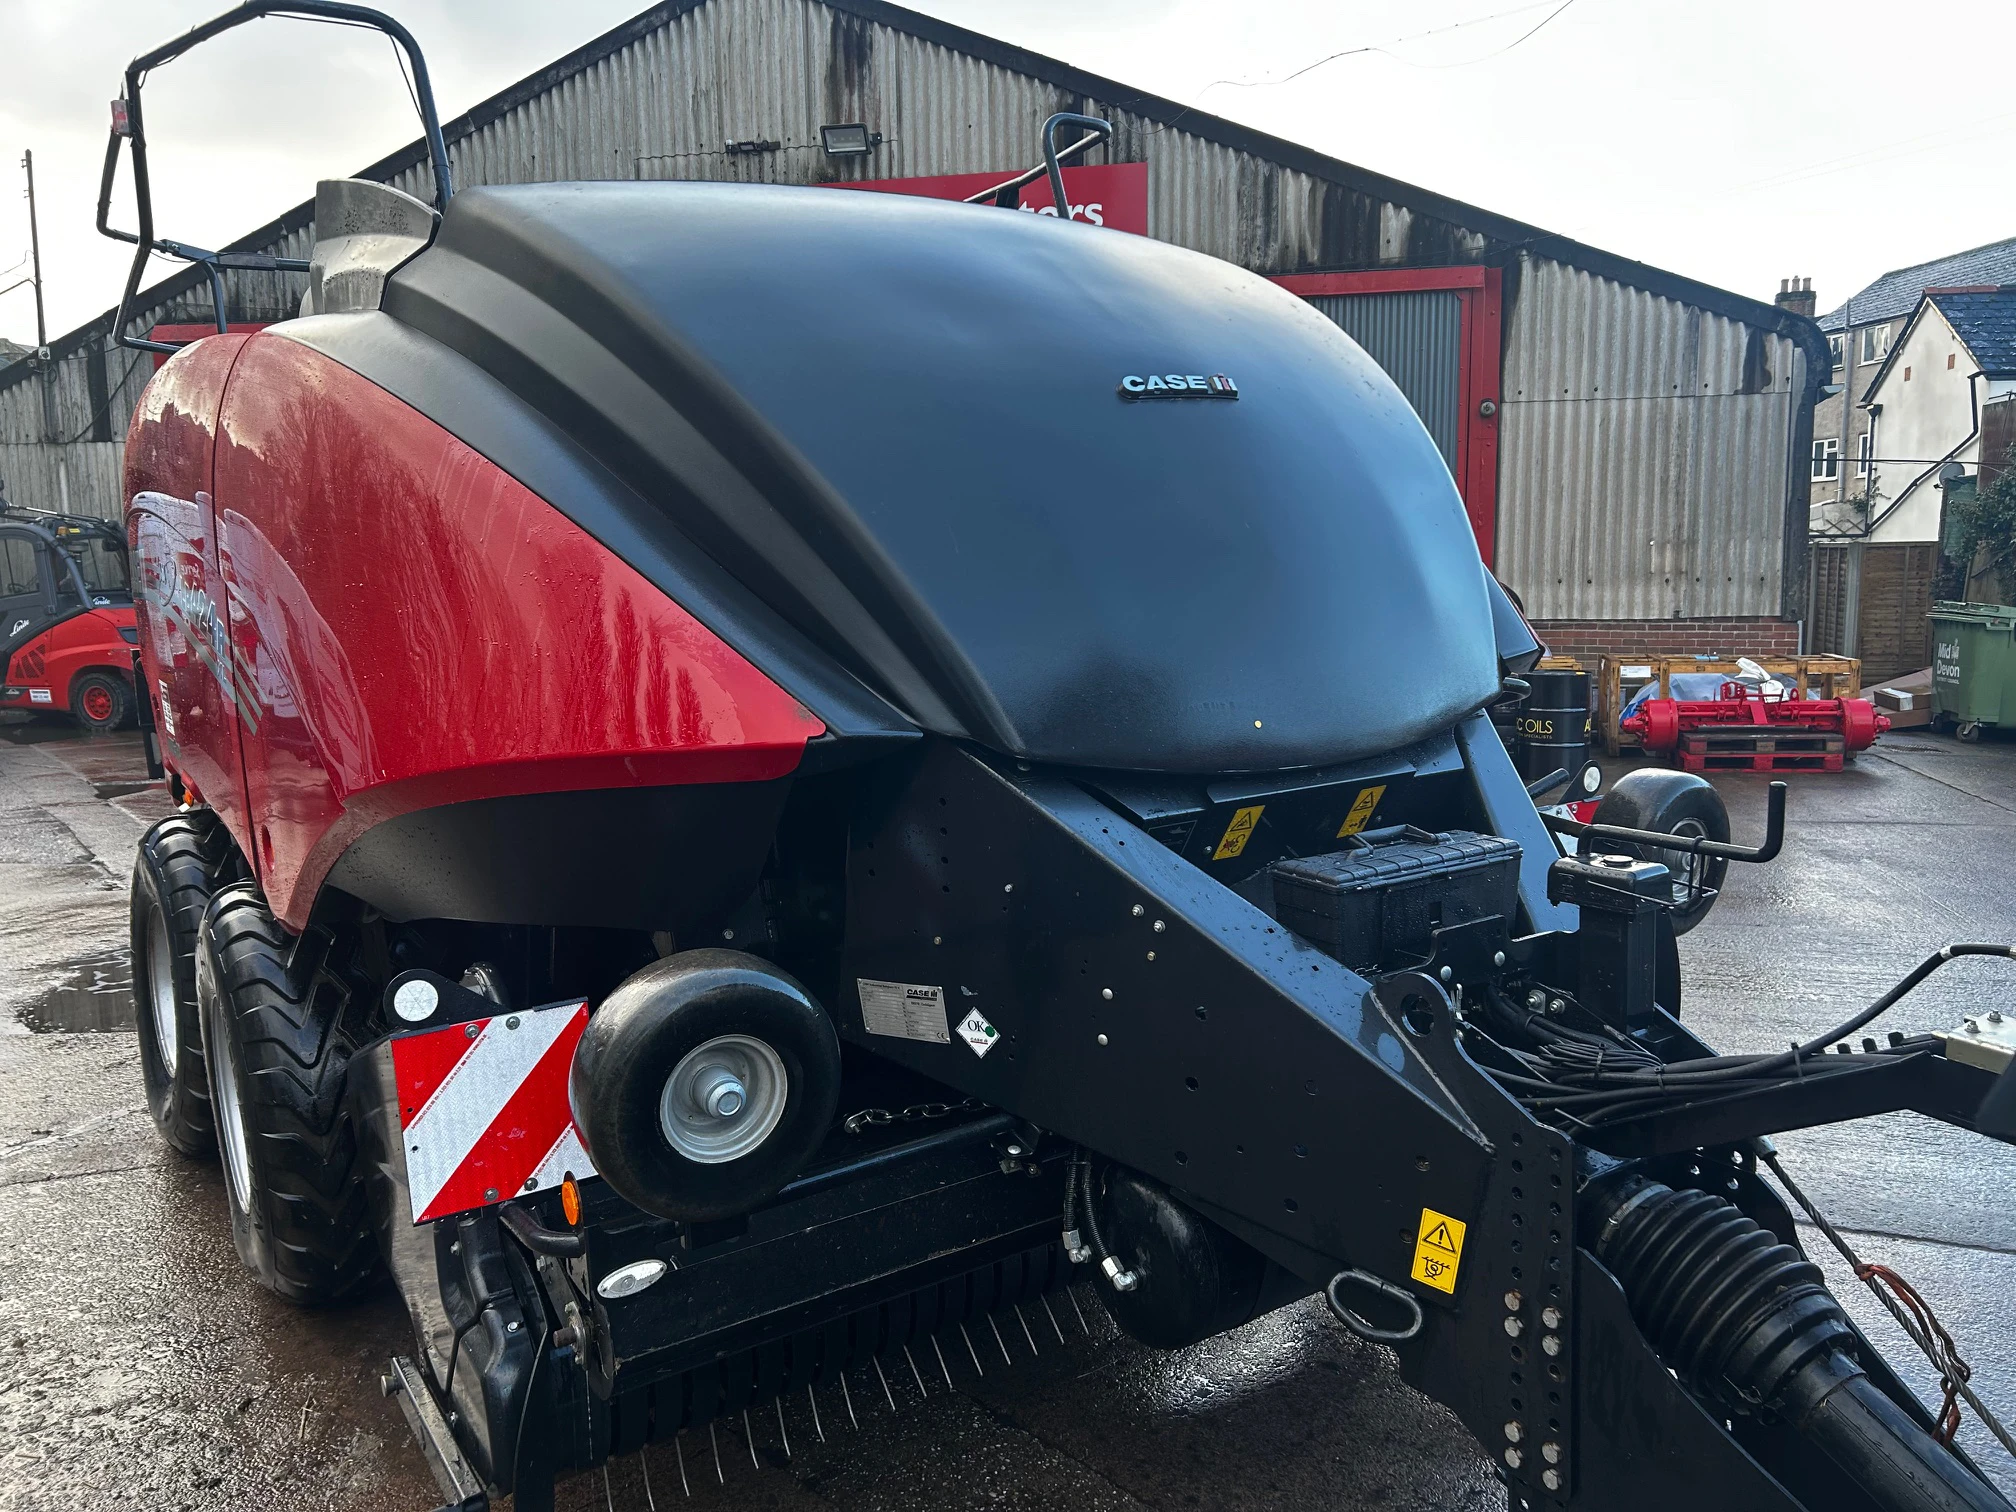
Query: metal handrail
point(1097, 131)
point(1697, 845)
point(127, 123)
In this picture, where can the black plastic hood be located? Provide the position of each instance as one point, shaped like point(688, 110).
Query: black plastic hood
point(901, 423)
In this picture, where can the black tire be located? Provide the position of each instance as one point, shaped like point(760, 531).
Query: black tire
point(101, 701)
point(1668, 803)
point(647, 1027)
point(174, 874)
point(280, 1020)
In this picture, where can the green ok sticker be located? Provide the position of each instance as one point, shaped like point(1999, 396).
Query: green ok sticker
point(980, 1036)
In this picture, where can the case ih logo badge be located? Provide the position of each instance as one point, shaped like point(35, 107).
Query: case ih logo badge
point(1177, 386)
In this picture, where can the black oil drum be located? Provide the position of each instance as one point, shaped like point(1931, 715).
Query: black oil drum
point(1553, 724)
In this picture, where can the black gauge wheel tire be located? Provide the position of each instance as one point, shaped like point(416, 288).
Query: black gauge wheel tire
point(280, 1020)
point(1668, 803)
point(177, 868)
point(101, 701)
point(653, 1026)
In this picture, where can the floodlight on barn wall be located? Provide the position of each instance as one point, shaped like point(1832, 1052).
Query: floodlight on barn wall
point(855, 140)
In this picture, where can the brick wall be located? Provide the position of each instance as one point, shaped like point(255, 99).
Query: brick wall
point(1724, 637)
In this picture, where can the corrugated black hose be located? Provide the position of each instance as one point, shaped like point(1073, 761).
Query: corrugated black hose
point(1748, 1323)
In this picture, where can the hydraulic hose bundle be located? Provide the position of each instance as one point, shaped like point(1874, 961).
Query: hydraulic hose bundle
point(1747, 1322)
point(1598, 1073)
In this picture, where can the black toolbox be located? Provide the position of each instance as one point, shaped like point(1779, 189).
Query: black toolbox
point(1376, 906)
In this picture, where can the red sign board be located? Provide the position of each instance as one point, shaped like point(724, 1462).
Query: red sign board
point(1115, 195)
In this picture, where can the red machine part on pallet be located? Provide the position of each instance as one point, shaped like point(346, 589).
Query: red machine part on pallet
point(1742, 730)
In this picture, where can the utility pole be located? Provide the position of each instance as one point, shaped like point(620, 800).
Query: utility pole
point(51, 433)
point(48, 373)
point(1847, 408)
point(35, 252)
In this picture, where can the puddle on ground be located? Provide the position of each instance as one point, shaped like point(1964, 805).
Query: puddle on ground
point(122, 789)
point(23, 727)
point(96, 997)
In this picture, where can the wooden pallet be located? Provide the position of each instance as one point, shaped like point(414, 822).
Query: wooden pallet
point(1766, 748)
point(1823, 676)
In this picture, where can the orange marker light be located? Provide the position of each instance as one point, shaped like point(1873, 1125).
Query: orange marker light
point(570, 1199)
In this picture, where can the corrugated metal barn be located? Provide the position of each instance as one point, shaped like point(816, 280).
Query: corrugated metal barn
point(1631, 444)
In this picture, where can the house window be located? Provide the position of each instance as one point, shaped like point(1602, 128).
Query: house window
point(1875, 343)
point(1826, 459)
point(1865, 451)
point(1834, 349)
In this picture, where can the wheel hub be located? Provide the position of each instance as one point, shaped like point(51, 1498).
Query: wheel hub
point(231, 1137)
point(1693, 868)
point(723, 1099)
point(161, 993)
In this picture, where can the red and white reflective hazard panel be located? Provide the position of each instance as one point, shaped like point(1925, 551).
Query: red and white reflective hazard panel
point(483, 1106)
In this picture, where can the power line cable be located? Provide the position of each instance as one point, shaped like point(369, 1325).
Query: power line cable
point(1352, 52)
point(1908, 147)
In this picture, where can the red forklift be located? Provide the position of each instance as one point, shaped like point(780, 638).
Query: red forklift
point(66, 617)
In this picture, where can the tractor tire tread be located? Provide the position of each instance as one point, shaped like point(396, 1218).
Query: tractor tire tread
point(185, 853)
point(294, 1017)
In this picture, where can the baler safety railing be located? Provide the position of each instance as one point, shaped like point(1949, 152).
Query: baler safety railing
point(127, 123)
point(1097, 131)
point(1696, 845)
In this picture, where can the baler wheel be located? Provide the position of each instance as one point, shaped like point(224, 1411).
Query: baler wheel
point(704, 1083)
point(1672, 803)
point(101, 701)
point(280, 1019)
point(176, 870)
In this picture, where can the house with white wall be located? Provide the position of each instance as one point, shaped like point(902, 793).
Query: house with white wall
point(1957, 351)
point(1878, 557)
point(1861, 332)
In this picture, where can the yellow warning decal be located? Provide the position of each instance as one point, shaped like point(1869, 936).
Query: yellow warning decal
point(1362, 808)
point(1238, 832)
point(1439, 1250)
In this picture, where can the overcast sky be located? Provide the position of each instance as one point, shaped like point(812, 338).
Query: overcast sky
point(1736, 141)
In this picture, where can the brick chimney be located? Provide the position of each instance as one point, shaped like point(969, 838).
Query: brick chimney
point(1796, 295)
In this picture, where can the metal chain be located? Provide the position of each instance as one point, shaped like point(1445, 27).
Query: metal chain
point(1954, 1382)
point(875, 1118)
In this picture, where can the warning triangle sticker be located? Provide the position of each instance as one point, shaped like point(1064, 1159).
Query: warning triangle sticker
point(1439, 1238)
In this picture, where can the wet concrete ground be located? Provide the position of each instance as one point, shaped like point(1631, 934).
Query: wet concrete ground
point(140, 1368)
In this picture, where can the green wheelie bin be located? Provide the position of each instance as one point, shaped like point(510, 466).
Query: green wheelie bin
point(1973, 667)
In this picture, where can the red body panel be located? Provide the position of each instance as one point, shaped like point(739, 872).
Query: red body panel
point(409, 627)
point(171, 528)
point(54, 660)
point(194, 333)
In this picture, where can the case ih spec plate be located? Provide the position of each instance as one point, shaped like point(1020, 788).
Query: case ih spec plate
point(483, 1109)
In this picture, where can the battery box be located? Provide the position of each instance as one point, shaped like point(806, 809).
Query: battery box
point(1377, 905)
